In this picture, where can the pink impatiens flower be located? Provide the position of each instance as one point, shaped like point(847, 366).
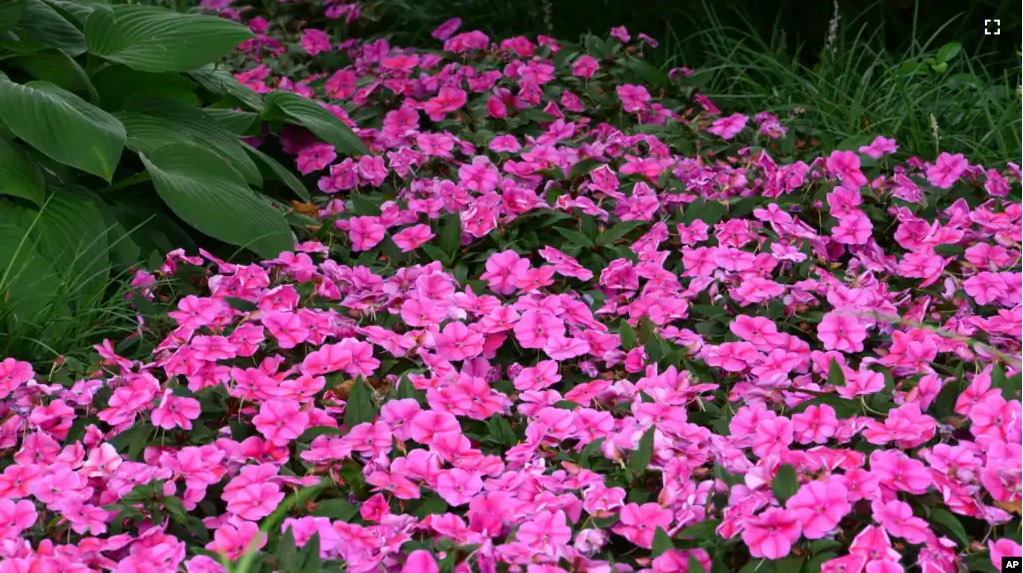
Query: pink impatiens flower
point(843, 332)
point(771, 533)
point(315, 41)
point(634, 98)
point(639, 523)
point(728, 127)
point(819, 506)
point(946, 170)
point(503, 270)
point(280, 421)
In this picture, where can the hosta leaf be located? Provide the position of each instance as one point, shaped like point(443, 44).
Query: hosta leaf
point(40, 22)
point(10, 13)
point(19, 175)
point(28, 283)
point(63, 126)
point(72, 235)
point(233, 120)
point(211, 196)
point(153, 123)
point(220, 81)
point(117, 83)
point(151, 39)
point(56, 67)
point(309, 114)
point(271, 169)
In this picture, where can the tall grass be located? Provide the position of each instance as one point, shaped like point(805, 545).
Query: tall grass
point(859, 88)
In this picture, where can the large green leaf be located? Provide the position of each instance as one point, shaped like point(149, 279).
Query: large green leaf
point(153, 123)
point(151, 39)
point(63, 126)
point(28, 283)
point(326, 126)
point(19, 175)
point(56, 67)
point(10, 13)
point(117, 83)
point(210, 195)
point(72, 235)
point(220, 81)
point(274, 170)
point(42, 23)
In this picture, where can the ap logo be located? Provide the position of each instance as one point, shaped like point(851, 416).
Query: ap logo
point(1012, 564)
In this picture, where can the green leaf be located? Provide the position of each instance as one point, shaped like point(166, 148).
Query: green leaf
point(309, 114)
point(41, 23)
point(151, 39)
point(814, 565)
point(152, 123)
point(56, 67)
point(19, 175)
point(702, 531)
point(220, 81)
point(118, 83)
point(335, 509)
point(72, 235)
point(578, 239)
point(10, 13)
point(274, 170)
point(211, 196)
point(500, 431)
point(406, 391)
point(287, 552)
point(583, 168)
point(785, 484)
point(790, 563)
point(360, 408)
point(709, 212)
point(449, 236)
point(950, 523)
point(694, 565)
point(1008, 386)
point(648, 73)
point(947, 52)
point(62, 126)
point(836, 377)
point(640, 459)
point(618, 231)
point(27, 280)
point(628, 336)
point(432, 505)
point(662, 542)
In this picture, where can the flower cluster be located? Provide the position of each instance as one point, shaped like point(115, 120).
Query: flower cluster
point(566, 316)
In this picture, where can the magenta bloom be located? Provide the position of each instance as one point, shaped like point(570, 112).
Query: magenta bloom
point(819, 506)
point(728, 127)
point(841, 332)
point(315, 41)
point(772, 533)
point(946, 170)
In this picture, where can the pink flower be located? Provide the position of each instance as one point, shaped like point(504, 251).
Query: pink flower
point(411, 238)
point(897, 518)
point(538, 377)
point(621, 34)
point(457, 486)
point(639, 523)
point(175, 412)
point(585, 66)
point(1004, 547)
point(16, 517)
point(421, 560)
point(547, 532)
point(365, 232)
point(728, 127)
point(445, 30)
point(13, 374)
point(536, 328)
point(634, 98)
point(458, 342)
point(946, 170)
point(773, 436)
point(880, 147)
point(280, 421)
point(845, 165)
point(315, 41)
point(772, 533)
point(819, 506)
point(503, 270)
point(255, 501)
point(315, 157)
point(428, 423)
point(852, 229)
point(841, 332)
point(816, 424)
point(233, 541)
